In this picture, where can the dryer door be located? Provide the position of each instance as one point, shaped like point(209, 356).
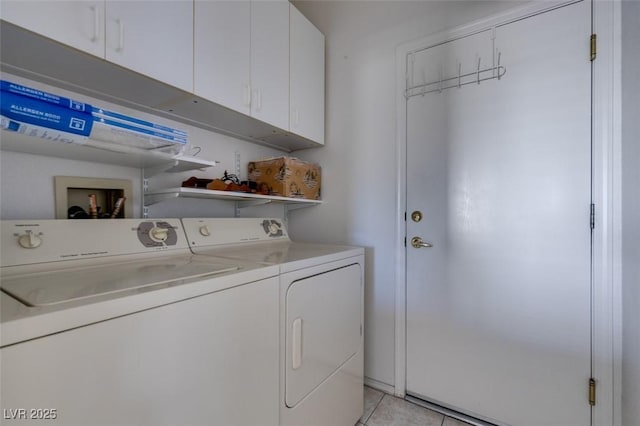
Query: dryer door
point(323, 330)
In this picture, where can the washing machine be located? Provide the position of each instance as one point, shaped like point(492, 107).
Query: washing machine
point(321, 314)
point(116, 322)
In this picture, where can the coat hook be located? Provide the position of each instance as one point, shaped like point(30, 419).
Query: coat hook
point(499, 75)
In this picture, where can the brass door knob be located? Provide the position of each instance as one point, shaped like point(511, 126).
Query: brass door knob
point(417, 242)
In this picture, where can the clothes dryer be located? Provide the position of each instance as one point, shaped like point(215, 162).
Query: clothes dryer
point(321, 314)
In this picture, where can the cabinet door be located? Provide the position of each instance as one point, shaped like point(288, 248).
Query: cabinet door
point(154, 38)
point(222, 46)
point(270, 62)
point(307, 78)
point(79, 24)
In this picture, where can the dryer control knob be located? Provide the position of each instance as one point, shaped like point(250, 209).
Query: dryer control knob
point(159, 234)
point(29, 240)
point(204, 231)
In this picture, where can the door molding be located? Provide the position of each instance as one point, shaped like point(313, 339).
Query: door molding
point(607, 189)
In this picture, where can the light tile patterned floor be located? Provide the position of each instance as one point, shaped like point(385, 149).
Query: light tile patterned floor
point(381, 409)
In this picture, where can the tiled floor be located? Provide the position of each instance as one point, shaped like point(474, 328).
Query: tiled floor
point(381, 409)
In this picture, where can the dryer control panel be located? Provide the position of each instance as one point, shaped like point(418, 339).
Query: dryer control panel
point(205, 232)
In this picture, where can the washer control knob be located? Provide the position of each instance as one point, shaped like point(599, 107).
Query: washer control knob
point(273, 228)
point(29, 240)
point(204, 231)
point(159, 234)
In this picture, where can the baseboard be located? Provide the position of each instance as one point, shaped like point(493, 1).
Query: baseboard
point(372, 383)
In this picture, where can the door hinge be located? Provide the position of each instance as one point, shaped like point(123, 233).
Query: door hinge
point(592, 216)
point(593, 47)
point(592, 391)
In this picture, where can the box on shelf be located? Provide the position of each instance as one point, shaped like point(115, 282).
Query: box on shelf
point(287, 177)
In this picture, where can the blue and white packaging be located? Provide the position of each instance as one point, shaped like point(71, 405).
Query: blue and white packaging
point(132, 136)
point(39, 132)
point(144, 130)
point(31, 111)
point(39, 95)
point(107, 115)
point(50, 117)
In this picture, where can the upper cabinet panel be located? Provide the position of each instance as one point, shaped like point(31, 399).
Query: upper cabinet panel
point(154, 38)
point(270, 62)
point(242, 57)
point(307, 78)
point(76, 24)
point(222, 53)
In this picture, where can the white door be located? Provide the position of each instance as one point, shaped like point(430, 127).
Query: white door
point(498, 310)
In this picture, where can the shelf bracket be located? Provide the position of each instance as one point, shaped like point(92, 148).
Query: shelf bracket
point(156, 198)
point(252, 203)
point(291, 207)
point(248, 203)
point(156, 170)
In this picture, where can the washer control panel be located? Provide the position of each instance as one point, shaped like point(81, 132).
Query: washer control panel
point(25, 242)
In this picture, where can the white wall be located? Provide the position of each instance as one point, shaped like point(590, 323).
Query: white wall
point(27, 180)
point(631, 213)
point(359, 159)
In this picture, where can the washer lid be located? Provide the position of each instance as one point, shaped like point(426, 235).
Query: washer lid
point(55, 287)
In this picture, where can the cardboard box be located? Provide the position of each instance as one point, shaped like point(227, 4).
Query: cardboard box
point(287, 177)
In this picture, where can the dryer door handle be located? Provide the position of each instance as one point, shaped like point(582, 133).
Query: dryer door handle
point(296, 343)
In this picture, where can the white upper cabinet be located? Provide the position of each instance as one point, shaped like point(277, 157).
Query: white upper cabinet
point(242, 57)
point(270, 62)
point(76, 24)
point(154, 38)
point(222, 53)
point(306, 78)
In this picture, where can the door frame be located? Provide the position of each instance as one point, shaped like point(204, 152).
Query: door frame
point(606, 192)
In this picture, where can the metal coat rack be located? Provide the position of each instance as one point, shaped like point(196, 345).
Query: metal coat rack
point(474, 77)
